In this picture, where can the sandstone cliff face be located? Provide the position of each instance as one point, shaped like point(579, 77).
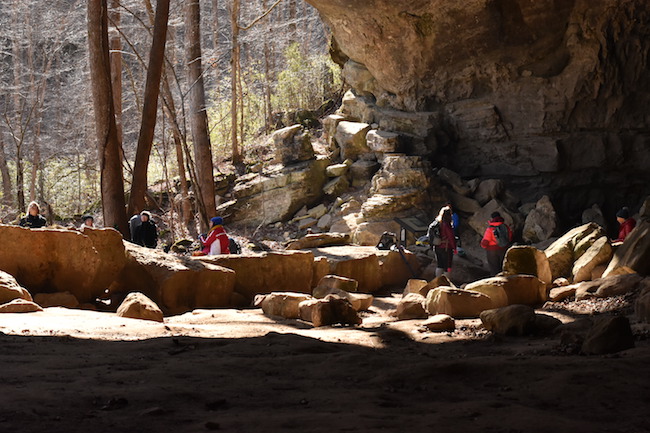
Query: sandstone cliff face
point(554, 94)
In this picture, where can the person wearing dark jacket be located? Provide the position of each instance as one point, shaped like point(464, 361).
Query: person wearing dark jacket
point(146, 233)
point(33, 219)
point(495, 249)
point(445, 251)
point(627, 224)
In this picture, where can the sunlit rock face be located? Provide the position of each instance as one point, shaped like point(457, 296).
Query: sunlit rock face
point(552, 94)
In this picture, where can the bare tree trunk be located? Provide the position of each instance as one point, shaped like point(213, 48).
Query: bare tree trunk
point(116, 66)
point(234, 77)
point(198, 116)
point(149, 109)
point(6, 177)
point(18, 109)
point(112, 183)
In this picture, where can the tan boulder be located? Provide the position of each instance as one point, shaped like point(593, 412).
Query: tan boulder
point(479, 221)
point(439, 281)
point(492, 288)
point(414, 286)
point(515, 320)
point(561, 293)
point(397, 267)
point(319, 240)
point(290, 271)
point(334, 282)
point(411, 306)
point(634, 253)
point(511, 289)
point(541, 222)
point(351, 138)
point(456, 302)
point(529, 261)
point(10, 289)
point(20, 305)
point(60, 299)
point(284, 304)
point(62, 260)
point(138, 306)
point(608, 287)
point(439, 323)
point(329, 311)
point(598, 253)
point(359, 301)
point(176, 284)
point(487, 190)
point(567, 249)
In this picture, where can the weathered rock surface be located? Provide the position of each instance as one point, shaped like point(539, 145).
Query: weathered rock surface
point(62, 260)
point(176, 284)
point(411, 306)
point(456, 302)
point(563, 253)
point(528, 261)
point(541, 222)
point(415, 285)
point(439, 323)
point(329, 311)
point(283, 304)
point(292, 144)
point(608, 335)
point(60, 299)
point(634, 253)
point(515, 320)
point(597, 254)
point(290, 271)
point(20, 305)
point(351, 138)
point(138, 306)
point(10, 289)
point(317, 240)
point(511, 289)
point(608, 287)
point(334, 282)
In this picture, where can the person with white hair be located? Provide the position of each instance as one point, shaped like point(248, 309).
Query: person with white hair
point(33, 219)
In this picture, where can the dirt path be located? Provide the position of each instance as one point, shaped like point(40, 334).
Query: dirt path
point(239, 371)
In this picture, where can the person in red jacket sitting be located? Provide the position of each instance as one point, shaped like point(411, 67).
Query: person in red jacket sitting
point(627, 224)
point(496, 240)
point(216, 241)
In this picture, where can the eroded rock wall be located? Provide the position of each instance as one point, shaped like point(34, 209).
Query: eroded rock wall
point(551, 94)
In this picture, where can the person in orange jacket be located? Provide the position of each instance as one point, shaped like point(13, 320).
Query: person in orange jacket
point(496, 240)
point(216, 242)
point(626, 222)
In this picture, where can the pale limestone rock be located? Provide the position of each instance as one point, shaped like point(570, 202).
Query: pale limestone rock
point(457, 303)
point(515, 320)
point(138, 306)
point(337, 170)
point(527, 260)
point(598, 254)
point(541, 222)
point(20, 305)
point(411, 306)
point(351, 138)
point(284, 304)
point(439, 323)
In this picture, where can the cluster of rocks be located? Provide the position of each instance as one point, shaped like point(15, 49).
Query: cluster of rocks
point(335, 300)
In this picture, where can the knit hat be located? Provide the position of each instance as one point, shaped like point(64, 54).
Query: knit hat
point(624, 213)
point(85, 217)
point(495, 215)
point(217, 221)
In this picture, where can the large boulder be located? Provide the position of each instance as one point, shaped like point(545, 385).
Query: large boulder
point(334, 282)
point(283, 304)
point(382, 142)
point(479, 221)
point(60, 299)
point(456, 302)
point(10, 289)
point(608, 335)
point(62, 260)
point(292, 144)
point(290, 271)
point(411, 306)
point(608, 286)
point(599, 253)
point(277, 193)
point(529, 261)
point(176, 284)
point(20, 305)
point(511, 289)
point(316, 240)
point(138, 306)
point(567, 249)
point(515, 320)
point(329, 311)
point(351, 138)
point(634, 253)
point(488, 190)
point(541, 222)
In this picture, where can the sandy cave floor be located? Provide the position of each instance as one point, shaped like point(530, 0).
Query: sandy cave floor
point(240, 371)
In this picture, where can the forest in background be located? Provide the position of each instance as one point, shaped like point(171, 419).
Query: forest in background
point(270, 57)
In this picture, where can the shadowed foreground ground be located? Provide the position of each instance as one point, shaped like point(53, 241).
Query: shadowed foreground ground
point(290, 382)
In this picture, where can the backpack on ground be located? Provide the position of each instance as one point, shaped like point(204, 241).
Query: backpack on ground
point(434, 235)
point(501, 235)
point(234, 246)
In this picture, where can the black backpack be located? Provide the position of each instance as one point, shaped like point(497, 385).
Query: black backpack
point(501, 235)
point(434, 235)
point(234, 246)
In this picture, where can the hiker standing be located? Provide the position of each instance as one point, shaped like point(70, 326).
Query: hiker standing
point(216, 241)
point(496, 240)
point(33, 219)
point(145, 234)
point(442, 238)
point(87, 221)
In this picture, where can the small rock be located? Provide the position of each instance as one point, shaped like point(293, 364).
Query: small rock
point(440, 323)
point(608, 335)
point(411, 306)
point(137, 306)
point(517, 320)
point(284, 304)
